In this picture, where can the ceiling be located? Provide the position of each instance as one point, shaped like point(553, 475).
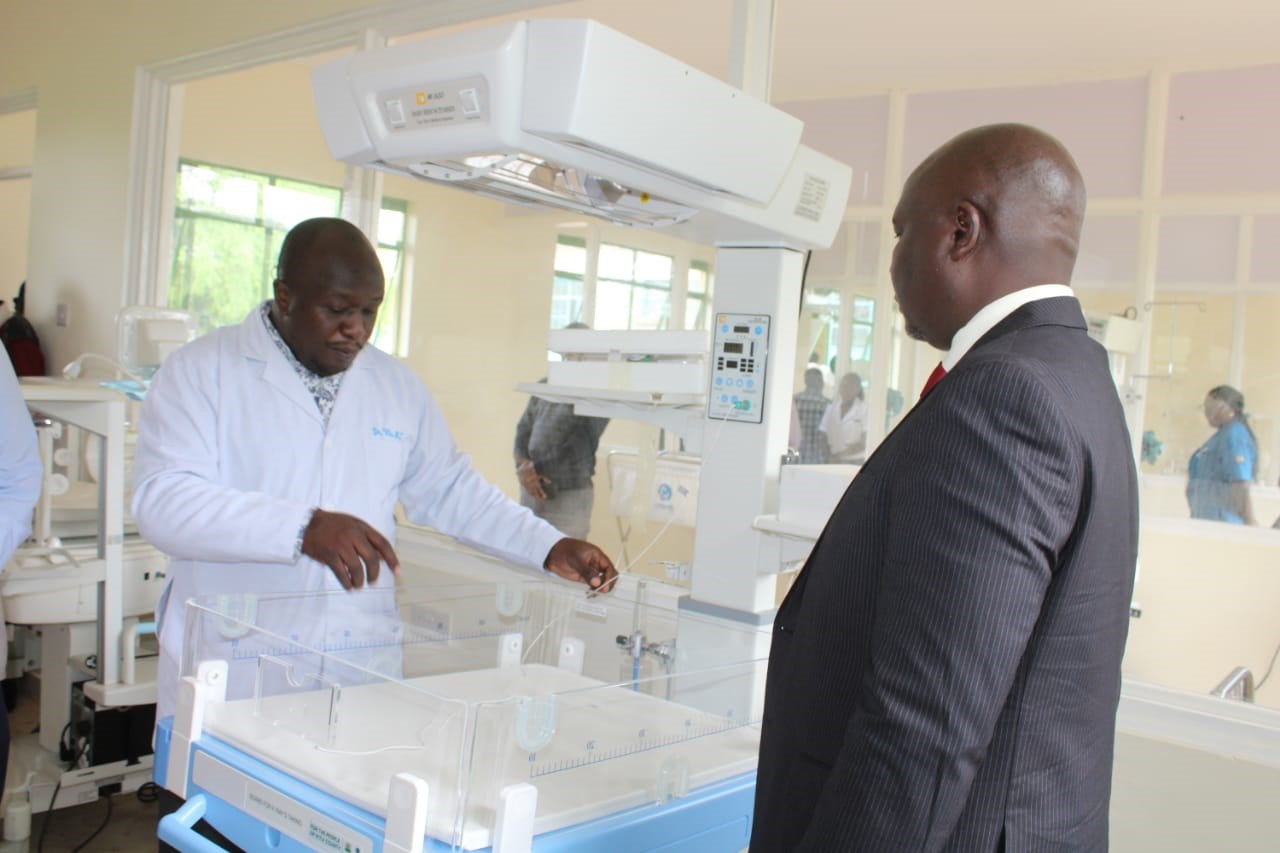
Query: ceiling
point(828, 48)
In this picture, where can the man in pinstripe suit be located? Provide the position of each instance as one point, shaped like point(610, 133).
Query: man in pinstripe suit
point(945, 671)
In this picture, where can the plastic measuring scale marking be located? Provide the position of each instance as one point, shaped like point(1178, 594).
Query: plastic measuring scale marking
point(593, 755)
point(417, 638)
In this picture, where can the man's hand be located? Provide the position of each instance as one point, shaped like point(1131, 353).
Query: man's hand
point(352, 549)
point(531, 480)
point(576, 560)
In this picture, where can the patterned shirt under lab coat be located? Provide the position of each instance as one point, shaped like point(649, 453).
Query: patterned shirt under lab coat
point(233, 456)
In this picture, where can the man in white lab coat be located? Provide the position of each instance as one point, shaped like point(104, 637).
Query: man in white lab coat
point(271, 455)
point(21, 476)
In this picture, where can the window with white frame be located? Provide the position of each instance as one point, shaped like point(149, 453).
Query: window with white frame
point(633, 289)
point(568, 290)
point(860, 329)
point(612, 286)
point(228, 227)
point(697, 305)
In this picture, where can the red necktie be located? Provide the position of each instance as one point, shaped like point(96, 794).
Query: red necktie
point(938, 373)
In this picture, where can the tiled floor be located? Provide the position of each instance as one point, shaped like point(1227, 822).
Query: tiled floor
point(130, 828)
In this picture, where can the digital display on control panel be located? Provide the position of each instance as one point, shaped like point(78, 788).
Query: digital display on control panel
point(739, 353)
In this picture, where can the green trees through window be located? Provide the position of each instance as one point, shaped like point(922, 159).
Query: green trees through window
point(228, 227)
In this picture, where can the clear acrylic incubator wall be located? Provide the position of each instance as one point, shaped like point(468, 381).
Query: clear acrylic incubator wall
point(603, 703)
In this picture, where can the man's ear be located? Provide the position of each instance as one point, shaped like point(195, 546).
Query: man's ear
point(969, 222)
point(283, 297)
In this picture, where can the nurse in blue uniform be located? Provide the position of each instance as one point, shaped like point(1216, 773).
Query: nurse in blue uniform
point(1220, 472)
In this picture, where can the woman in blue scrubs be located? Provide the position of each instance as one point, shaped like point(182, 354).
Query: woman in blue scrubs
point(1220, 472)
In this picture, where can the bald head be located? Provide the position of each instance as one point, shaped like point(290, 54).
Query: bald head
point(323, 242)
point(997, 209)
point(1027, 185)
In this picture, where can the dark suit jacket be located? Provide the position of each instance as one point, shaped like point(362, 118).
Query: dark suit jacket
point(945, 672)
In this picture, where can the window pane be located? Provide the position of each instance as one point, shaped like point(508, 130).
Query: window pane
point(616, 262)
point(571, 259)
point(860, 348)
point(653, 269)
point(697, 279)
point(229, 225)
point(385, 331)
point(284, 207)
point(390, 227)
point(566, 301)
point(1190, 353)
point(819, 336)
point(695, 313)
point(864, 309)
point(218, 270)
point(613, 305)
point(238, 197)
point(275, 239)
point(650, 308)
point(195, 186)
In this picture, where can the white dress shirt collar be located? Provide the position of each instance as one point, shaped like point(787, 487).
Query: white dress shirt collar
point(992, 313)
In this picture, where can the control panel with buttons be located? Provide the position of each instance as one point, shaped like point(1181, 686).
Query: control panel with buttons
point(739, 353)
point(439, 104)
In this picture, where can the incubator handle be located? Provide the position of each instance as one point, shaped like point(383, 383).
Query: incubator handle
point(177, 831)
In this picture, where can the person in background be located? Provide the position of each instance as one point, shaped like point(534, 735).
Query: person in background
point(945, 671)
point(272, 455)
point(21, 477)
point(555, 454)
point(20, 339)
point(807, 409)
point(844, 424)
point(828, 373)
point(1220, 472)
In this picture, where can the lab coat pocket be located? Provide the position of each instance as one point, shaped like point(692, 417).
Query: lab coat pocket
point(386, 453)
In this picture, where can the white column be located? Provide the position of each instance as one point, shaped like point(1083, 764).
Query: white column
point(751, 47)
point(734, 568)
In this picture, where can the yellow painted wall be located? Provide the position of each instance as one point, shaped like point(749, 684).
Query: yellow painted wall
point(15, 198)
point(17, 144)
point(1209, 593)
point(82, 59)
point(17, 138)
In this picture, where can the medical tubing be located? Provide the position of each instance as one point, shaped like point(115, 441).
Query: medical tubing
point(684, 497)
point(568, 612)
point(1270, 667)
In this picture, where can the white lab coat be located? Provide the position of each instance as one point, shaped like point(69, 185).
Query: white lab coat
point(233, 456)
point(21, 474)
point(846, 431)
